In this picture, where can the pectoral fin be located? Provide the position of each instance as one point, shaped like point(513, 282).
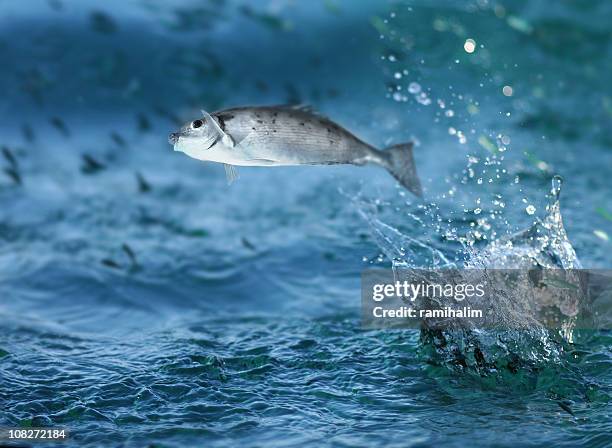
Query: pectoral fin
point(231, 173)
point(226, 139)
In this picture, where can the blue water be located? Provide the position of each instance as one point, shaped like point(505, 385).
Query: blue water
point(184, 312)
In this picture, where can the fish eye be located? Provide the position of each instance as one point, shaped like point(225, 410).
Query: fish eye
point(196, 124)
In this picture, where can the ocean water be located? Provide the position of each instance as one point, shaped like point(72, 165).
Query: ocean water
point(144, 302)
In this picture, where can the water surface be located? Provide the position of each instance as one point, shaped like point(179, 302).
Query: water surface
point(177, 311)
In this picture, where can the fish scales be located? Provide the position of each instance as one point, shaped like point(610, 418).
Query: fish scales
point(293, 137)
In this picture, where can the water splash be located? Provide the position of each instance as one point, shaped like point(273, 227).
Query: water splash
point(403, 250)
point(544, 245)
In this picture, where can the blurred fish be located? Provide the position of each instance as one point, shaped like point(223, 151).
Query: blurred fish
point(143, 122)
point(102, 22)
point(267, 20)
point(565, 405)
point(246, 243)
point(131, 255)
point(143, 185)
point(118, 139)
point(285, 135)
point(56, 5)
point(28, 133)
point(13, 170)
point(196, 17)
point(13, 174)
point(109, 262)
point(59, 124)
point(10, 158)
point(91, 165)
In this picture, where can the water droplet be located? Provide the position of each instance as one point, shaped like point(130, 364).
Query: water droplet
point(423, 99)
point(414, 88)
point(530, 209)
point(507, 91)
point(398, 75)
point(542, 166)
point(469, 46)
point(449, 113)
point(477, 211)
point(557, 183)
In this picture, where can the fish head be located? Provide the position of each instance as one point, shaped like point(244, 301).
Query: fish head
point(196, 138)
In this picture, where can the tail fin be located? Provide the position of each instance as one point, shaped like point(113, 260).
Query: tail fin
point(400, 164)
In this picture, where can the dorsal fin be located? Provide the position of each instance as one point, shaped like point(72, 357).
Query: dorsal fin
point(306, 108)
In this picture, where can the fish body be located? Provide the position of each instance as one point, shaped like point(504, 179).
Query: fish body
point(286, 136)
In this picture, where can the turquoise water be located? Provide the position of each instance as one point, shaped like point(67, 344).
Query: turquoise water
point(143, 302)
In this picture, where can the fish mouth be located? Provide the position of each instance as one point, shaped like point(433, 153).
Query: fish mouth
point(173, 138)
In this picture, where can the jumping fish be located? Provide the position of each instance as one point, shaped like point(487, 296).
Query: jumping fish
point(283, 136)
